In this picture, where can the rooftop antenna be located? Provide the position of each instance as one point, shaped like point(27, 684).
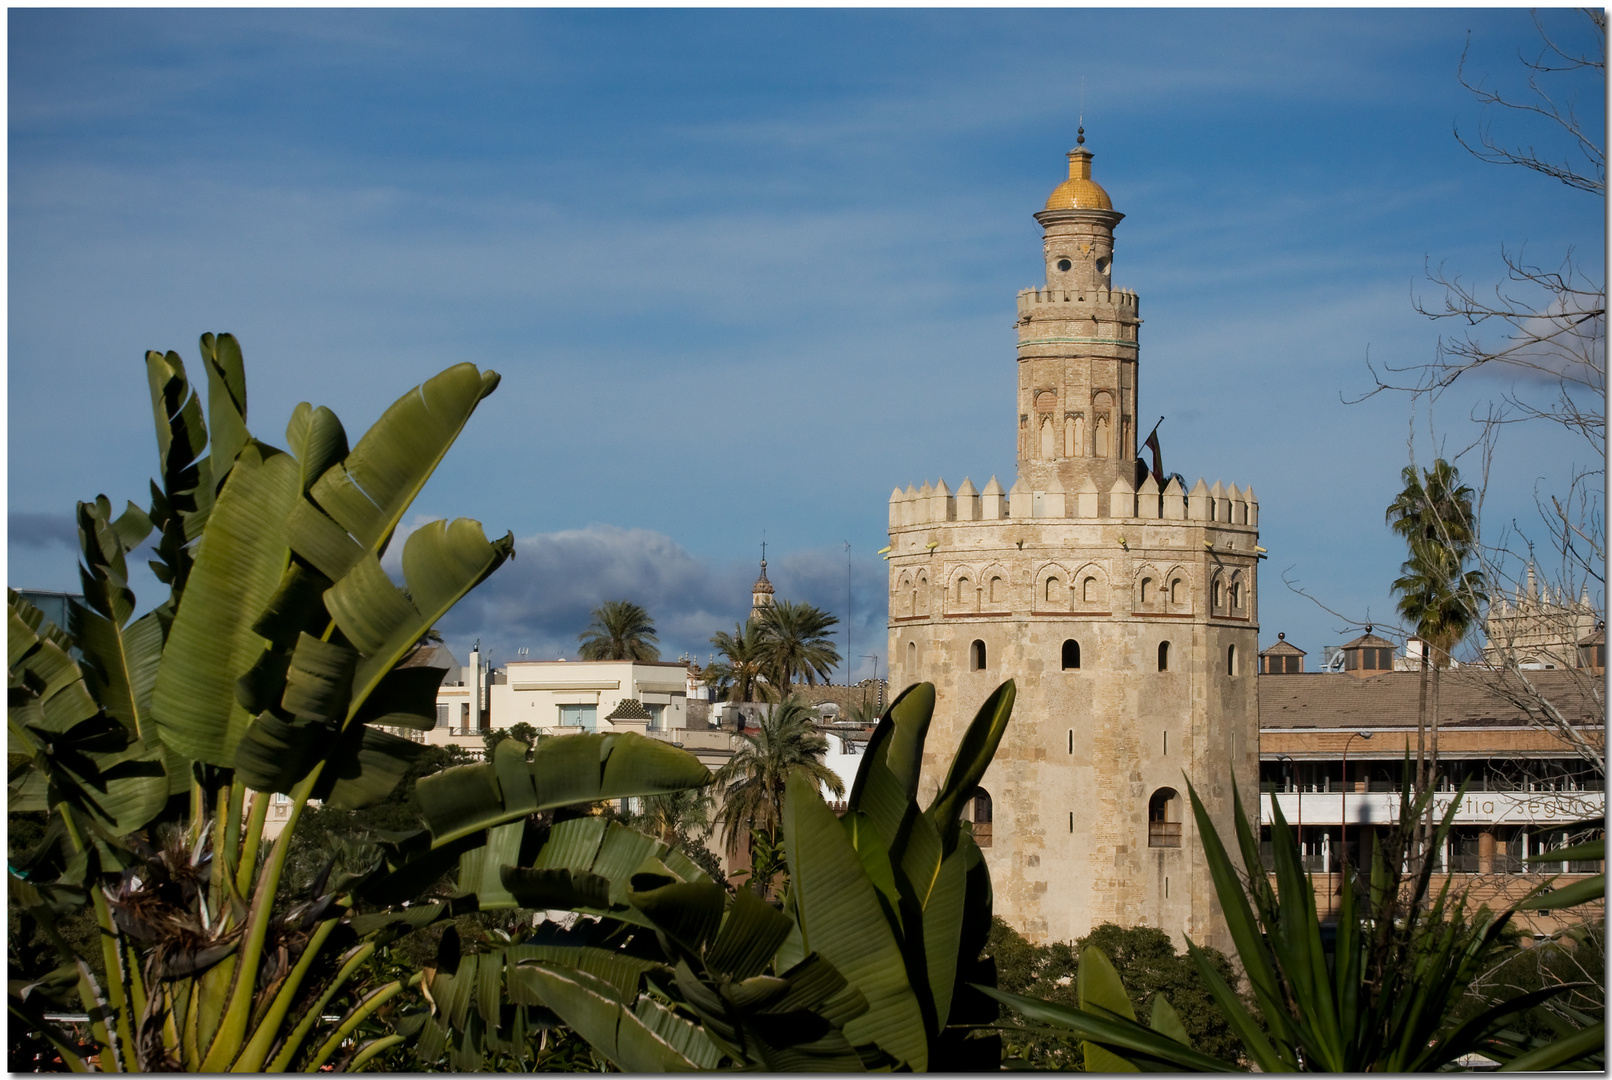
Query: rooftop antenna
point(847, 544)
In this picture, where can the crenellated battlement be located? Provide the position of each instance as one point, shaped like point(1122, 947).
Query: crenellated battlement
point(934, 503)
point(1047, 302)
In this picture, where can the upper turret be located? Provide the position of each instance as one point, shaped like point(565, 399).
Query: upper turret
point(1079, 221)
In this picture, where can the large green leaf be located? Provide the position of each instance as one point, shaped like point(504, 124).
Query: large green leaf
point(373, 486)
point(943, 925)
point(226, 400)
point(365, 767)
point(750, 936)
point(61, 747)
point(590, 1008)
point(842, 919)
point(1097, 985)
point(317, 440)
point(563, 771)
point(212, 644)
point(973, 757)
point(441, 563)
point(181, 440)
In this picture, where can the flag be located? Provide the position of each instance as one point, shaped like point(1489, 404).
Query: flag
point(1152, 444)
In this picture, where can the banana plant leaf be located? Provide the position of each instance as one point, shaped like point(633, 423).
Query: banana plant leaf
point(582, 768)
point(237, 569)
point(61, 747)
point(841, 918)
point(353, 507)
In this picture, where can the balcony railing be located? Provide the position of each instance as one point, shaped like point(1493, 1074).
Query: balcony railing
point(1164, 834)
point(982, 833)
point(464, 732)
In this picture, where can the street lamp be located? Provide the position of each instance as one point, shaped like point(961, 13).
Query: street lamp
point(1343, 806)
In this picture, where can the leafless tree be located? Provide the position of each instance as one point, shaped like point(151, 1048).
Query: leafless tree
point(1542, 327)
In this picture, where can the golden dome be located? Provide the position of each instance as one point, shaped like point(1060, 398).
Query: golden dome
point(1080, 191)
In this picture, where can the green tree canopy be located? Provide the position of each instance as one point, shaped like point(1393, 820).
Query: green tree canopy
point(796, 643)
point(753, 778)
point(740, 671)
point(1437, 595)
point(1147, 963)
point(621, 630)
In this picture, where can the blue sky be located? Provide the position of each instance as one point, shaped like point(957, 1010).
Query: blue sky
point(748, 271)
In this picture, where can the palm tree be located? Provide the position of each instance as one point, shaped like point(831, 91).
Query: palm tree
point(741, 670)
point(621, 630)
point(752, 780)
point(676, 815)
point(796, 643)
point(1436, 507)
point(1437, 595)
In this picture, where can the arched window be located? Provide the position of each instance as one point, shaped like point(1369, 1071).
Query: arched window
point(1236, 595)
point(1147, 590)
point(1164, 656)
point(1071, 655)
point(1052, 590)
point(996, 590)
point(920, 596)
point(912, 657)
point(1164, 819)
point(1231, 659)
point(1218, 594)
point(1088, 590)
point(976, 656)
point(982, 817)
point(1177, 592)
point(964, 587)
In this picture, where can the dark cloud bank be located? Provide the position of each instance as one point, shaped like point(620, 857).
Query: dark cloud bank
point(41, 530)
point(542, 598)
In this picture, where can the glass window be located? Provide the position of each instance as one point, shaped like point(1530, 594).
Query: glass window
point(585, 717)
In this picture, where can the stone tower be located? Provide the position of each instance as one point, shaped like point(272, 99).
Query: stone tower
point(761, 593)
point(1127, 615)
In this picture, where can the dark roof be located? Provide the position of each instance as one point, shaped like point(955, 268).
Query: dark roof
point(1368, 641)
point(1468, 697)
point(1597, 638)
point(433, 655)
point(630, 709)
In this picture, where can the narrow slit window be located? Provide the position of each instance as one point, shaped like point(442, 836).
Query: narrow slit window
point(1164, 656)
point(976, 656)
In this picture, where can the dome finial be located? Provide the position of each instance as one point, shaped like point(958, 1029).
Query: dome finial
point(1080, 124)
